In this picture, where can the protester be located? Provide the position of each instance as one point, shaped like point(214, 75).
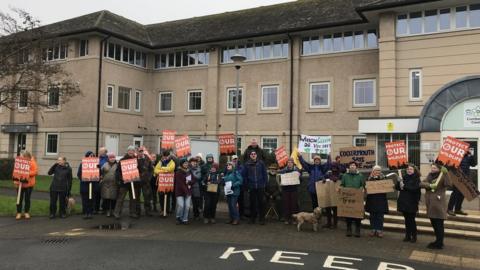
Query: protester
point(436, 202)
point(241, 197)
point(154, 185)
point(183, 191)
point(123, 188)
point(102, 159)
point(27, 187)
point(109, 186)
point(233, 176)
point(407, 202)
point(341, 167)
point(316, 172)
point(165, 165)
point(456, 198)
point(290, 193)
point(196, 192)
point(211, 182)
point(88, 204)
point(353, 179)
point(60, 187)
point(255, 177)
point(253, 147)
point(145, 168)
point(331, 212)
point(376, 204)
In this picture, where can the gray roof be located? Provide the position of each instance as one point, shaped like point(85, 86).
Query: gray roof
point(266, 20)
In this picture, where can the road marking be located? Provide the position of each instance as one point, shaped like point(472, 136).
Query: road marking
point(246, 253)
point(279, 255)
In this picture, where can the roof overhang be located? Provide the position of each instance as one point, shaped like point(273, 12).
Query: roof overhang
point(19, 128)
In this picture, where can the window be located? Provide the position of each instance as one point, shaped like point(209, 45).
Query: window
point(359, 141)
point(183, 59)
point(256, 51)
point(444, 19)
point(55, 52)
point(137, 141)
point(269, 143)
point(51, 144)
point(415, 84)
point(348, 41)
point(337, 42)
point(125, 54)
point(430, 22)
point(232, 99)
point(415, 23)
point(83, 47)
point(138, 100)
point(359, 40)
point(110, 93)
point(165, 102)
point(364, 93)
point(461, 17)
point(53, 97)
point(372, 39)
point(320, 95)
point(412, 142)
point(124, 98)
point(340, 42)
point(194, 100)
point(23, 100)
point(270, 97)
point(402, 24)
point(475, 15)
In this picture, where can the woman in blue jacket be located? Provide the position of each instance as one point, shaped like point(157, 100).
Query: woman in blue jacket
point(316, 172)
point(233, 176)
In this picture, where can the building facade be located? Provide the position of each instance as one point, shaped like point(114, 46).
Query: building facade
point(364, 72)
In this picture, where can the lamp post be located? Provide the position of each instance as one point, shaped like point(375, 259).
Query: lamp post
point(237, 60)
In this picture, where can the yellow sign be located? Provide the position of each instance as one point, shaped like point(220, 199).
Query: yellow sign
point(390, 126)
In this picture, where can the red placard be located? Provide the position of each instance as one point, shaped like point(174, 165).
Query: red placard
point(452, 151)
point(165, 182)
point(90, 171)
point(130, 170)
point(227, 143)
point(21, 169)
point(281, 156)
point(182, 146)
point(168, 139)
point(396, 154)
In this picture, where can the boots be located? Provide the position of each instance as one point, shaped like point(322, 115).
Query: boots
point(414, 238)
point(335, 220)
point(329, 223)
point(349, 229)
point(357, 230)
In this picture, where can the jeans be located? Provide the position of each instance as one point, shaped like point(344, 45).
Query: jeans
point(211, 200)
point(88, 205)
point(410, 225)
point(290, 204)
point(314, 198)
point(257, 203)
point(376, 221)
point(456, 200)
point(25, 197)
point(59, 196)
point(439, 230)
point(232, 207)
point(183, 206)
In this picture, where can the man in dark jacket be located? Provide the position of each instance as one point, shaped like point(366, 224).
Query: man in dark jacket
point(145, 168)
point(125, 187)
point(255, 178)
point(88, 205)
point(456, 199)
point(253, 147)
point(60, 187)
point(102, 159)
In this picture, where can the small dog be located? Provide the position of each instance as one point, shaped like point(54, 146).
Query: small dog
point(70, 205)
point(312, 218)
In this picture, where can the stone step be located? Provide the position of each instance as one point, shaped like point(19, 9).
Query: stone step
point(471, 218)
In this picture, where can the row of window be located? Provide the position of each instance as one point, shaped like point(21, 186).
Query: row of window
point(123, 98)
point(339, 42)
point(438, 20)
point(182, 59)
point(52, 96)
point(125, 54)
point(55, 52)
point(256, 51)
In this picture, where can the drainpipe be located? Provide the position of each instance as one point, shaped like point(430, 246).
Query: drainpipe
point(290, 134)
point(99, 94)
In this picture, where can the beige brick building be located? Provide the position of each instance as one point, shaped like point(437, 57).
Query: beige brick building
point(363, 72)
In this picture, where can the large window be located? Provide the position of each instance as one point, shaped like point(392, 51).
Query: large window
point(232, 98)
point(270, 97)
point(124, 98)
point(165, 102)
point(412, 141)
point(53, 98)
point(51, 144)
point(320, 95)
point(340, 42)
point(55, 52)
point(83, 47)
point(138, 100)
point(364, 93)
point(125, 54)
point(257, 51)
point(182, 59)
point(110, 95)
point(269, 143)
point(194, 100)
point(415, 84)
point(23, 100)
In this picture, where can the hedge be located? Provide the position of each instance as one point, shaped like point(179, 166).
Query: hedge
point(6, 168)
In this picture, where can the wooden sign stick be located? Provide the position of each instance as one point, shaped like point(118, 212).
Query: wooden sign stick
point(90, 190)
point(19, 192)
point(165, 204)
point(133, 190)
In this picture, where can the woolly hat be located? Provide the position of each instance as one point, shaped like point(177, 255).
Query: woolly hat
point(111, 155)
point(131, 148)
point(317, 157)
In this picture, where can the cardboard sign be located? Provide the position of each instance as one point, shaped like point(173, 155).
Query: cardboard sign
point(165, 182)
point(90, 170)
point(182, 146)
point(380, 186)
point(290, 179)
point(463, 184)
point(327, 194)
point(130, 171)
point(452, 152)
point(21, 169)
point(315, 144)
point(350, 203)
point(364, 156)
point(227, 143)
point(168, 139)
point(396, 154)
point(281, 156)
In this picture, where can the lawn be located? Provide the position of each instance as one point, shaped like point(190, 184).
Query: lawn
point(8, 207)
point(43, 184)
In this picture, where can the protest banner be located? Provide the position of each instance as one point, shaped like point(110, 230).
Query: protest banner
point(130, 172)
point(452, 152)
point(290, 179)
point(396, 154)
point(315, 144)
point(182, 146)
point(227, 143)
point(350, 203)
point(90, 172)
point(327, 193)
point(165, 185)
point(281, 156)
point(364, 156)
point(21, 172)
point(380, 186)
point(463, 184)
point(168, 139)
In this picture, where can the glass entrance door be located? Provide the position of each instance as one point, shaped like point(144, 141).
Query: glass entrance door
point(21, 142)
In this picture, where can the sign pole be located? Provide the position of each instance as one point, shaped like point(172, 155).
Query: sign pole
point(133, 190)
point(19, 192)
point(90, 190)
point(165, 204)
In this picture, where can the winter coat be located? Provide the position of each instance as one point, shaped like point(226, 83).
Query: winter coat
point(291, 188)
point(236, 178)
point(376, 203)
point(409, 196)
point(31, 176)
point(145, 168)
point(102, 160)
point(84, 184)
point(316, 173)
point(436, 201)
point(256, 149)
point(109, 186)
point(182, 187)
point(119, 177)
point(62, 178)
point(255, 174)
point(197, 173)
point(353, 180)
point(165, 166)
point(466, 163)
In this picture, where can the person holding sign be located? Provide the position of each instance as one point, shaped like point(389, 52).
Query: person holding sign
point(60, 187)
point(183, 191)
point(255, 175)
point(290, 193)
point(353, 179)
point(211, 181)
point(109, 186)
point(27, 187)
point(456, 198)
point(336, 170)
point(376, 204)
point(127, 186)
point(233, 184)
point(145, 168)
point(407, 202)
point(436, 184)
point(165, 165)
point(316, 172)
point(89, 194)
point(196, 187)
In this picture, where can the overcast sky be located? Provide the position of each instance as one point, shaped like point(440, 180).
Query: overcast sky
point(143, 11)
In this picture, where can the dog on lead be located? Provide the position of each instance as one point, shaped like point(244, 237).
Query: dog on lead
point(312, 218)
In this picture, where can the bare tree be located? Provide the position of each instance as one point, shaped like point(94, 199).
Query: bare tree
point(28, 75)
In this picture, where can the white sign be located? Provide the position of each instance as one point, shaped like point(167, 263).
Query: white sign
point(315, 144)
point(471, 114)
point(290, 179)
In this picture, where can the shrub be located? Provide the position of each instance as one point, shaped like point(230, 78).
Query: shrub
point(6, 168)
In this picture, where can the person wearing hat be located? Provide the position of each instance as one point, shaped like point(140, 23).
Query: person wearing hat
point(255, 177)
point(146, 171)
point(88, 205)
point(27, 187)
point(334, 174)
point(234, 177)
point(290, 193)
point(241, 197)
point(211, 182)
point(408, 199)
point(124, 188)
point(60, 187)
point(108, 184)
point(183, 191)
point(165, 165)
point(316, 172)
point(376, 204)
point(253, 147)
point(353, 179)
point(196, 192)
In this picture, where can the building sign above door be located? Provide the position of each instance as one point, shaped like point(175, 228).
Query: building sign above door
point(471, 114)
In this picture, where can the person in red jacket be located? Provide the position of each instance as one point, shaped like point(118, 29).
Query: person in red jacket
point(27, 187)
point(183, 191)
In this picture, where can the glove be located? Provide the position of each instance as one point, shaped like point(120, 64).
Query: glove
point(444, 170)
point(433, 186)
point(402, 185)
point(24, 181)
